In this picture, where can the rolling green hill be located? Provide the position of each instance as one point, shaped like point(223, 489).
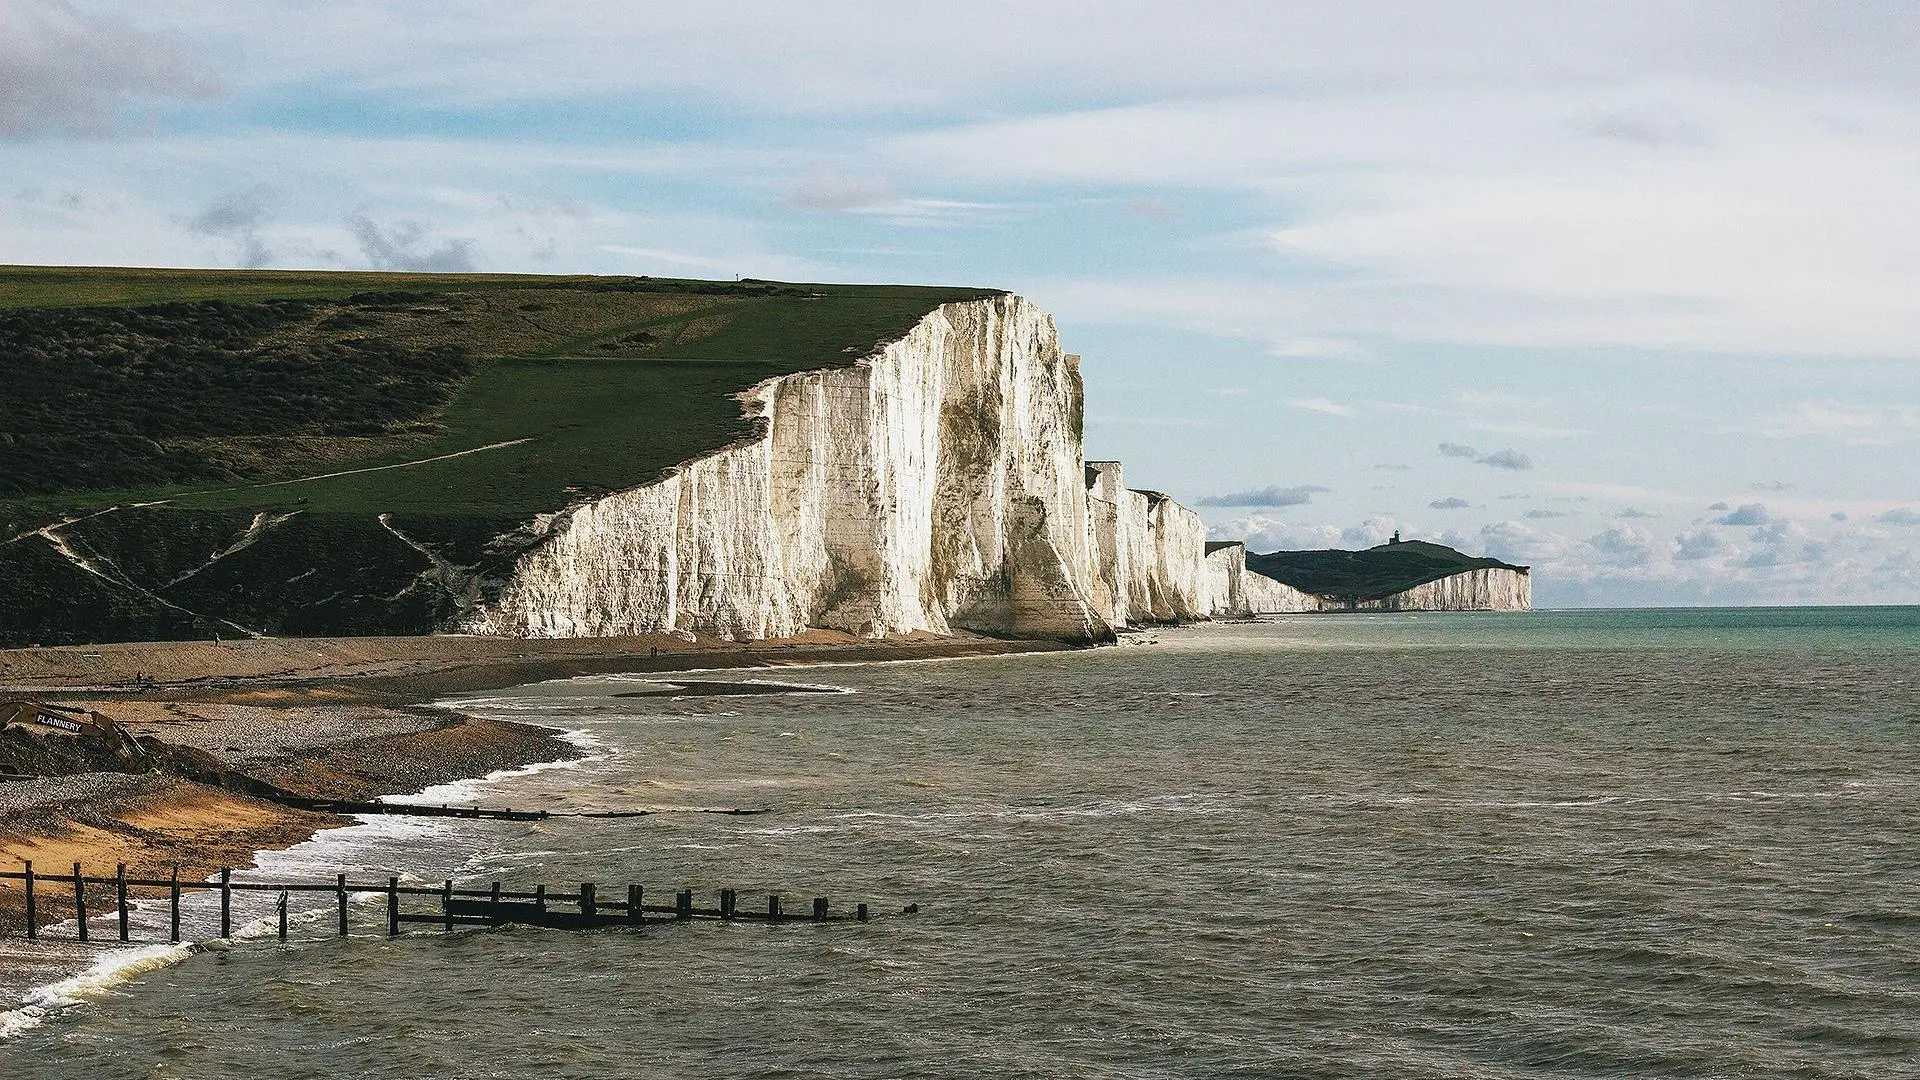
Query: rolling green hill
point(1370, 574)
point(190, 452)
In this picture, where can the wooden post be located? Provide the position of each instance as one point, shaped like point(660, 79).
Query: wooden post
point(173, 904)
point(586, 899)
point(493, 906)
point(540, 899)
point(283, 914)
point(773, 907)
point(80, 900)
point(340, 900)
point(819, 909)
point(683, 905)
point(226, 902)
point(860, 913)
point(120, 896)
point(33, 916)
point(728, 898)
point(446, 905)
point(635, 913)
point(393, 907)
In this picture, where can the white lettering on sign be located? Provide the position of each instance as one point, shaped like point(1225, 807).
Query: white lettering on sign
point(60, 722)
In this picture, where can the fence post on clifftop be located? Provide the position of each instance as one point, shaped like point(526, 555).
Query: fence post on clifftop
point(635, 912)
point(340, 900)
point(80, 900)
point(586, 898)
point(226, 902)
point(120, 895)
point(540, 899)
point(393, 907)
point(860, 913)
point(773, 907)
point(33, 917)
point(173, 902)
point(283, 914)
point(819, 909)
point(446, 904)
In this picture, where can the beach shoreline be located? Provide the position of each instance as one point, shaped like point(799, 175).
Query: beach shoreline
point(326, 718)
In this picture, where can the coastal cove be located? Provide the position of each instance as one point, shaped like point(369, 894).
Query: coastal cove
point(1414, 844)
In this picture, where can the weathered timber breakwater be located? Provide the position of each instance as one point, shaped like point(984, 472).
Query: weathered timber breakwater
point(493, 907)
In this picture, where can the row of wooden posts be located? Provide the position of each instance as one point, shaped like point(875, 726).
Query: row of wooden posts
point(493, 906)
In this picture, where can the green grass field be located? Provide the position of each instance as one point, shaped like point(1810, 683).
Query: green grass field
point(216, 395)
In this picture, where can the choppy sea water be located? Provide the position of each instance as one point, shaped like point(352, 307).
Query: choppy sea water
point(1579, 844)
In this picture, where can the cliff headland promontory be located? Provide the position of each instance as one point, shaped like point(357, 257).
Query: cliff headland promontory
point(1400, 575)
point(201, 454)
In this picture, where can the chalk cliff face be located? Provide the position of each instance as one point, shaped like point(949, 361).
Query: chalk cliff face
point(1236, 590)
point(1473, 590)
point(936, 485)
point(1489, 589)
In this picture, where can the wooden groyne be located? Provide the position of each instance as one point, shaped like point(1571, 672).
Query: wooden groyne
point(345, 806)
point(494, 906)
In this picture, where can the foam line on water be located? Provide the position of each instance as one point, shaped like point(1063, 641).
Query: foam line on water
point(109, 970)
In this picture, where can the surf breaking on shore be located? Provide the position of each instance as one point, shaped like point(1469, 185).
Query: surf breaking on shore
point(345, 719)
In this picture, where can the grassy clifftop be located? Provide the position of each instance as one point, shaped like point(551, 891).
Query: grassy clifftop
point(1370, 574)
point(311, 452)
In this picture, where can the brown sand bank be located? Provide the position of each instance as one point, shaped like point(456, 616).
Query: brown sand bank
point(151, 823)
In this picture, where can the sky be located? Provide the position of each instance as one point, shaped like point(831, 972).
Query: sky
point(1625, 292)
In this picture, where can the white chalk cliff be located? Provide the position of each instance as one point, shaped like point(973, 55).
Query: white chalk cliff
point(1486, 589)
point(936, 485)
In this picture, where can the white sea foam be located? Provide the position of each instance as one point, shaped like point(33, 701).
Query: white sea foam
point(110, 969)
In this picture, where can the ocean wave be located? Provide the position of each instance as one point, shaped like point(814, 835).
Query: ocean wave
point(112, 968)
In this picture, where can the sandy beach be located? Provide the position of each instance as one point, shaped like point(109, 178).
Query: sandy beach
point(327, 718)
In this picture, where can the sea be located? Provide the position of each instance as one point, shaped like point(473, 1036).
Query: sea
point(1651, 843)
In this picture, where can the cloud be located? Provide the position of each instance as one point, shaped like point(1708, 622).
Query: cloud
point(1698, 545)
point(1507, 459)
point(1854, 425)
point(238, 216)
point(1451, 502)
point(1654, 125)
point(1372, 532)
point(1718, 506)
point(1623, 545)
point(1499, 459)
point(1633, 514)
point(1267, 496)
point(1838, 515)
point(1748, 514)
point(1155, 209)
point(1900, 516)
point(833, 191)
point(66, 72)
point(1773, 485)
point(1515, 542)
point(1264, 533)
point(1321, 405)
point(403, 246)
point(1783, 543)
point(1542, 514)
point(1392, 468)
